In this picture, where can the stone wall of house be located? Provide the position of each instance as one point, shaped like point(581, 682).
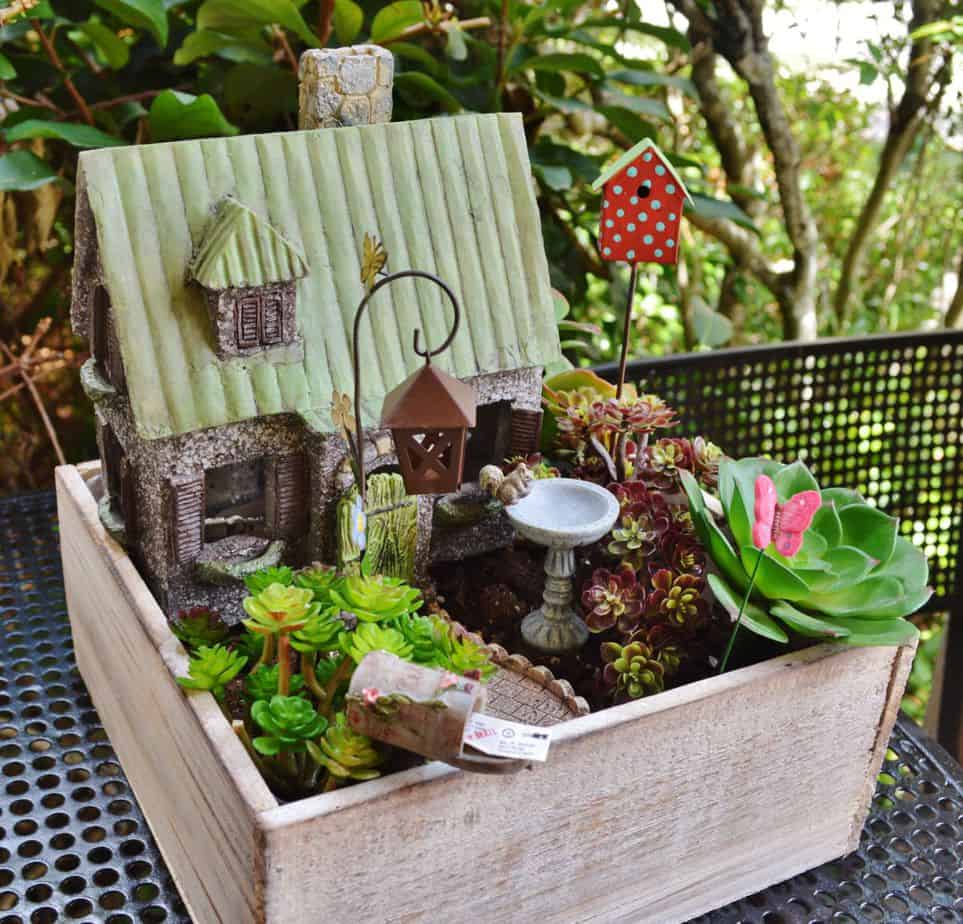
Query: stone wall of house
point(345, 86)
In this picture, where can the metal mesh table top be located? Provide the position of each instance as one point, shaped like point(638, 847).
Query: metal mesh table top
point(74, 846)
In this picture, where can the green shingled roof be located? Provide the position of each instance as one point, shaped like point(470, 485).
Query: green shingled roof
point(452, 196)
point(240, 248)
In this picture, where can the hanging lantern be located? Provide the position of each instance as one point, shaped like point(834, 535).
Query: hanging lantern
point(429, 415)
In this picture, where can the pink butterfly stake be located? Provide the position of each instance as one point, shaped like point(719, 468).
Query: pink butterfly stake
point(783, 524)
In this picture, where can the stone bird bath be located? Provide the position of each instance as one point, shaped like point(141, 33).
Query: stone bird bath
point(561, 514)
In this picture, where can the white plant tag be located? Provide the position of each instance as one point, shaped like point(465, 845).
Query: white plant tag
point(500, 738)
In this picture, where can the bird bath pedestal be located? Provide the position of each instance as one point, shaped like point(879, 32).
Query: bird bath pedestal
point(561, 514)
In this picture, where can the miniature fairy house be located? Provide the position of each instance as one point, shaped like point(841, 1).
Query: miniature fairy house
point(642, 202)
point(217, 280)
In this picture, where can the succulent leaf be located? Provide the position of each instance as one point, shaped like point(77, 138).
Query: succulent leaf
point(320, 580)
point(320, 633)
point(199, 626)
point(753, 617)
point(370, 636)
point(804, 624)
point(279, 608)
point(288, 722)
point(261, 580)
point(212, 668)
point(376, 598)
point(262, 683)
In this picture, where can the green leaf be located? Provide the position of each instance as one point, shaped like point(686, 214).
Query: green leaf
point(392, 20)
point(418, 55)
point(753, 617)
point(806, 625)
point(826, 522)
point(792, 479)
point(7, 70)
point(562, 62)
point(864, 632)
point(649, 78)
point(348, 18)
point(710, 328)
point(251, 48)
point(80, 136)
point(774, 580)
point(870, 530)
point(665, 34)
point(632, 125)
point(908, 564)
point(550, 152)
point(556, 178)
point(739, 520)
point(142, 14)
point(567, 104)
point(237, 16)
point(872, 596)
point(267, 746)
point(841, 497)
point(710, 207)
point(22, 170)
point(418, 89)
point(176, 115)
point(641, 105)
point(111, 47)
point(456, 48)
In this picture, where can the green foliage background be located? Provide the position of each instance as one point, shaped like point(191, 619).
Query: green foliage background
point(589, 81)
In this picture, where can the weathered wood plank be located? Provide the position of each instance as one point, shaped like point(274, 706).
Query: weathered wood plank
point(198, 788)
point(653, 811)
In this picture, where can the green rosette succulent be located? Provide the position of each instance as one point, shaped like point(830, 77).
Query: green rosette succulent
point(376, 598)
point(199, 626)
point(461, 655)
point(854, 578)
point(279, 608)
point(289, 722)
point(633, 670)
point(345, 754)
point(370, 636)
point(212, 668)
point(320, 580)
point(261, 580)
point(322, 632)
point(262, 683)
point(423, 634)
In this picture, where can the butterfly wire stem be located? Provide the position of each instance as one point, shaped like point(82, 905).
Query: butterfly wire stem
point(742, 609)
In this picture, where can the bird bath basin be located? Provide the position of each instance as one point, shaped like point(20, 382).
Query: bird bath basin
point(561, 514)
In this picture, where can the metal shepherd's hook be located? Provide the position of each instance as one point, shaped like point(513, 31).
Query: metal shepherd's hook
point(416, 341)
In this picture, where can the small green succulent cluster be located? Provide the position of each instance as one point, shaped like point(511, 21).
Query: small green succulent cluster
point(199, 626)
point(306, 631)
point(854, 579)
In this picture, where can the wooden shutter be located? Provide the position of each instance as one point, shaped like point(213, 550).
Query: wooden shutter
point(187, 508)
point(287, 497)
point(114, 362)
point(526, 431)
point(100, 328)
point(271, 313)
point(112, 453)
point(247, 311)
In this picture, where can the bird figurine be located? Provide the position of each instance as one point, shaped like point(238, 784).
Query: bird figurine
point(510, 488)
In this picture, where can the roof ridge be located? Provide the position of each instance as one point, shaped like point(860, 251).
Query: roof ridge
point(630, 155)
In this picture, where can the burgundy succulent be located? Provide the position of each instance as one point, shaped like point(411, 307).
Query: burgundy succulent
point(677, 599)
point(683, 554)
point(707, 457)
point(613, 598)
point(663, 461)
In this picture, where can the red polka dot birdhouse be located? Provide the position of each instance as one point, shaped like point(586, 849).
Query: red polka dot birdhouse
point(642, 201)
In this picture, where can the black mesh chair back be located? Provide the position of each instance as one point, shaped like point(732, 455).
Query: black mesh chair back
point(881, 414)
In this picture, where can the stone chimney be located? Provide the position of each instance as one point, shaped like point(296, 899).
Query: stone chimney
point(345, 86)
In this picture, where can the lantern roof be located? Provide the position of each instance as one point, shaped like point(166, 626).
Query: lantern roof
point(429, 399)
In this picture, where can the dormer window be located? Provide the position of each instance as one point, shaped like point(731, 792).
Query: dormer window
point(249, 271)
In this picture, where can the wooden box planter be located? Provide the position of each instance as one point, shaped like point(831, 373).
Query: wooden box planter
point(656, 810)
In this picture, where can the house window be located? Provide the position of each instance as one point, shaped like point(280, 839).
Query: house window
point(235, 500)
point(103, 339)
point(490, 439)
point(258, 317)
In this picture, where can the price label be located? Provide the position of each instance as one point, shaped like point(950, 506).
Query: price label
point(500, 738)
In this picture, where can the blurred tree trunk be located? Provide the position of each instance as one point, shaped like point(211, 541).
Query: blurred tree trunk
point(927, 75)
point(734, 30)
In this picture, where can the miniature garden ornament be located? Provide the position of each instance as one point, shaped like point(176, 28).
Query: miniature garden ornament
point(642, 202)
point(561, 514)
point(784, 523)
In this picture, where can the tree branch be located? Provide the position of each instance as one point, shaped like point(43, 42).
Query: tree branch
point(51, 51)
point(917, 101)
